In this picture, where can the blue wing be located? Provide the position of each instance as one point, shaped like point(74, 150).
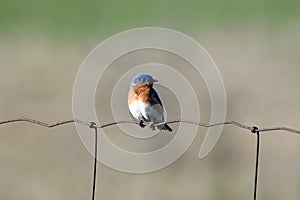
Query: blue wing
point(155, 96)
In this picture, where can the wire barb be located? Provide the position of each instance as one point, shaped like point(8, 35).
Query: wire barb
point(92, 125)
point(254, 129)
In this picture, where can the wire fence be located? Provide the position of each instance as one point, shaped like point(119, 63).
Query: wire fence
point(84, 123)
point(93, 125)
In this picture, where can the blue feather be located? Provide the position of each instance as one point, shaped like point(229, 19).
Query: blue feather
point(155, 96)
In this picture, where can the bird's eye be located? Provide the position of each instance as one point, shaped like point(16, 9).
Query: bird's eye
point(142, 80)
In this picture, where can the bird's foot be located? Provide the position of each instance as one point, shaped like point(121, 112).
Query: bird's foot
point(142, 125)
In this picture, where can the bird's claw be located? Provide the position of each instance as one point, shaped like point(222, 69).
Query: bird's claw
point(142, 125)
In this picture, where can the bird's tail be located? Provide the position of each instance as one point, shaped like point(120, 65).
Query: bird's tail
point(165, 127)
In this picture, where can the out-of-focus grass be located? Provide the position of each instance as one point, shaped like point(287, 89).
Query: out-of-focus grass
point(70, 19)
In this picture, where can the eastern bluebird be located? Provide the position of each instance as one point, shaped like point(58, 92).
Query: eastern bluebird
point(144, 103)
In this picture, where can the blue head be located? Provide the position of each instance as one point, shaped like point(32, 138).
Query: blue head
point(143, 79)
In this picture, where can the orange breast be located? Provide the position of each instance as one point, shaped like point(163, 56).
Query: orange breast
point(132, 96)
point(139, 92)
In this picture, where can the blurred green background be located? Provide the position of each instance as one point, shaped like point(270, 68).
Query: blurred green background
point(255, 44)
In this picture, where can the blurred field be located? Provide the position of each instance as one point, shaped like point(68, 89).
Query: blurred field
point(79, 18)
point(42, 49)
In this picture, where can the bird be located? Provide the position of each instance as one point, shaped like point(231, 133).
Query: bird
point(144, 103)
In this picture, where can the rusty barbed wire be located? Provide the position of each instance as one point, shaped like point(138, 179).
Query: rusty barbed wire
point(84, 123)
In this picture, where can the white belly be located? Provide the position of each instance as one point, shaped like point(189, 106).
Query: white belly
point(143, 111)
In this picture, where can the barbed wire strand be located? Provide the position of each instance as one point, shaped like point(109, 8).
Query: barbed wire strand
point(84, 123)
point(94, 126)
